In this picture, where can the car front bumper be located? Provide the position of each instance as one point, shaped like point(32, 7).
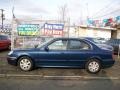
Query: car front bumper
point(12, 60)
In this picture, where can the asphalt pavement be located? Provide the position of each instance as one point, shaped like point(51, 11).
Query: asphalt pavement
point(3, 53)
point(29, 84)
point(12, 78)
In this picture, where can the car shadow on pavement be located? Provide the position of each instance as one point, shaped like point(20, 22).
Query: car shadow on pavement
point(5, 68)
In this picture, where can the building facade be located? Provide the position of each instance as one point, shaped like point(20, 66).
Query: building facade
point(95, 32)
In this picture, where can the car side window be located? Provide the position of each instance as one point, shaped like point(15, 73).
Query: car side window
point(58, 45)
point(78, 45)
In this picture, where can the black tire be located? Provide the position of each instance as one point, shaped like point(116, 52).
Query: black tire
point(9, 47)
point(25, 67)
point(93, 70)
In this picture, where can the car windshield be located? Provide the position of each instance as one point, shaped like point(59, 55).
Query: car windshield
point(42, 44)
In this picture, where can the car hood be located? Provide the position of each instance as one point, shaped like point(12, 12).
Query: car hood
point(23, 50)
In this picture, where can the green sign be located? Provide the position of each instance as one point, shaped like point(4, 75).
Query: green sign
point(28, 30)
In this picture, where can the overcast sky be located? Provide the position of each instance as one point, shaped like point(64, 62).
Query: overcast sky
point(49, 9)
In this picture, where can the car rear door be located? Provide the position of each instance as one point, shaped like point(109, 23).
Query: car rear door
point(78, 52)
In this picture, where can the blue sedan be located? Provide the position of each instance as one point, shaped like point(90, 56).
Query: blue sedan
point(63, 52)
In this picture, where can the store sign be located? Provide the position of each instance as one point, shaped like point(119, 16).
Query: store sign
point(53, 29)
point(28, 30)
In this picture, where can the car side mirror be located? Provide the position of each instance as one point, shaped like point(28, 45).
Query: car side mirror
point(46, 49)
point(35, 46)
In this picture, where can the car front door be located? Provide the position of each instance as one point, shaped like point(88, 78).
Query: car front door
point(53, 55)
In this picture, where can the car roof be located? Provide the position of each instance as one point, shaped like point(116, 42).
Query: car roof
point(69, 38)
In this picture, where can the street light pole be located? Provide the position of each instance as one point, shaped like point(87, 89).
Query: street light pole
point(13, 27)
point(2, 16)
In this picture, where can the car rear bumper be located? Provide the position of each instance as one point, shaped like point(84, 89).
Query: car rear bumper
point(107, 64)
point(12, 60)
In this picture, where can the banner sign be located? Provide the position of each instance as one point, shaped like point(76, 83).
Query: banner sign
point(53, 29)
point(28, 30)
point(110, 22)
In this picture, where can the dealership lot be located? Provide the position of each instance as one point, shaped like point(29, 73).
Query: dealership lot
point(8, 70)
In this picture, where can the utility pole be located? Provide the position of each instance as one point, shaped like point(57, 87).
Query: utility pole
point(68, 27)
point(2, 17)
point(87, 11)
point(87, 17)
point(12, 32)
point(63, 13)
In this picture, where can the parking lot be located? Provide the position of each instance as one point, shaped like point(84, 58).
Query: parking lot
point(7, 70)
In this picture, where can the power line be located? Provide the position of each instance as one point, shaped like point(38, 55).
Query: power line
point(106, 8)
point(108, 13)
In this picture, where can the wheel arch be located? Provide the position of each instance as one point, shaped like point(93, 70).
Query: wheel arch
point(95, 57)
point(24, 56)
point(98, 59)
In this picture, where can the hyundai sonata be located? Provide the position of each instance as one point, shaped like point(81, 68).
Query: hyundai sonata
point(63, 52)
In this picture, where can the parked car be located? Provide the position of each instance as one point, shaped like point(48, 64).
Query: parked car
point(63, 52)
point(115, 44)
point(5, 42)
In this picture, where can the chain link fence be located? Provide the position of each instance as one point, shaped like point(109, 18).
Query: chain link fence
point(30, 33)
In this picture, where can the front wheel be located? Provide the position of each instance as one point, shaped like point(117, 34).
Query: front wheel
point(25, 63)
point(93, 66)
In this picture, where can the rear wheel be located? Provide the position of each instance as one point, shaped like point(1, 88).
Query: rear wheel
point(93, 66)
point(25, 63)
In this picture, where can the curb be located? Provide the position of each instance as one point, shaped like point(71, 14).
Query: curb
point(57, 77)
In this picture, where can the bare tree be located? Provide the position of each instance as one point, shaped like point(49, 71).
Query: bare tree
point(63, 10)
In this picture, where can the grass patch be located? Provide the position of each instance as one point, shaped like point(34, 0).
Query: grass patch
point(3, 53)
point(3, 62)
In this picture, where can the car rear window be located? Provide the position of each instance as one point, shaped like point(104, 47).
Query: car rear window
point(78, 45)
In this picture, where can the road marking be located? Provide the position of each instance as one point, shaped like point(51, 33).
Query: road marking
point(2, 75)
point(82, 77)
point(59, 77)
point(22, 75)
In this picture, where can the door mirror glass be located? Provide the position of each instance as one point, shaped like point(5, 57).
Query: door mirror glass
point(46, 49)
point(35, 46)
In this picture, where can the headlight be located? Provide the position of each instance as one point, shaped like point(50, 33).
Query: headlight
point(10, 52)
